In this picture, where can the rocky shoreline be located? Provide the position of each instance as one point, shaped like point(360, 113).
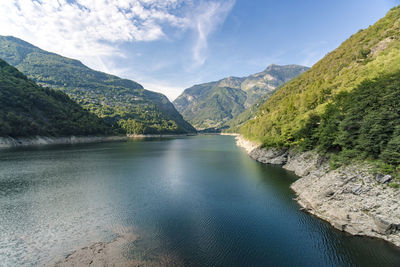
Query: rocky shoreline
point(350, 198)
point(140, 136)
point(9, 142)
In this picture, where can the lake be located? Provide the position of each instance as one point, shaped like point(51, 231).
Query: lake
point(199, 199)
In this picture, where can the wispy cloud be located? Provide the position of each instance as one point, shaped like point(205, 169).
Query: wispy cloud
point(207, 18)
point(91, 29)
point(86, 27)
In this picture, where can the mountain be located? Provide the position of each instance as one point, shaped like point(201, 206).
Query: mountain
point(348, 103)
point(27, 109)
point(119, 101)
point(213, 104)
point(233, 125)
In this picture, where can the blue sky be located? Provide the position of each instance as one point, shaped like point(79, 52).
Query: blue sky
point(169, 45)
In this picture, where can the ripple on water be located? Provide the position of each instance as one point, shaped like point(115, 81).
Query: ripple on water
point(188, 201)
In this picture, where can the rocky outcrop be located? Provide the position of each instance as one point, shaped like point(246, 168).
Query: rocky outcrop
point(350, 197)
point(383, 179)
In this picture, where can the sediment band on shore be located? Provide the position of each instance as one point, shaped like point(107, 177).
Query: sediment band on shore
point(9, 142)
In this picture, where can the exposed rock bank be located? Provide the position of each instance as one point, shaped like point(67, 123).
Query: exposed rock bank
point(140, 136)
point(8, 142)
point(350, 197)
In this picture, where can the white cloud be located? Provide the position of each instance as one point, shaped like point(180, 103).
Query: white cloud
point(170, 91)
point(84, 27)
point(207, 17)
point(91, 29)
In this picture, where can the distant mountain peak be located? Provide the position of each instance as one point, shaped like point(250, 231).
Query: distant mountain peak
point(215, 103)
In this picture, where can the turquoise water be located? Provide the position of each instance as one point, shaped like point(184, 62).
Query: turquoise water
point(199, 199)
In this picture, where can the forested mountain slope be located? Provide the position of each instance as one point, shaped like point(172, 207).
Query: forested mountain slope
point(119, 101)
point(27, 109)
point(214, 104)
point(348, 103)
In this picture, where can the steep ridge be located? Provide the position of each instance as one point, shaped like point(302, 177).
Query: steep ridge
point(27, 109)
point(119, 101)
point(337, 127)
point(364, 56)
point(214, 104)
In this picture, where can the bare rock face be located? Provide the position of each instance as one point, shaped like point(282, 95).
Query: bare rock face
point(303, 163)
point(350, 198)
point(356, 203)
point(272, 156)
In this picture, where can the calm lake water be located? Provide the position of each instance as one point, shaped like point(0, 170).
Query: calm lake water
point(200, 199)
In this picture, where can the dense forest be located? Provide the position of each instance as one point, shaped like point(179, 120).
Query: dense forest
point(27, 109)
point(348, 103)
point(369, 129)
point(121, 102)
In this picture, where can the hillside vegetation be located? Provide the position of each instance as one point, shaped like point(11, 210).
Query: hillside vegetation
point(368, 129)
point(121, 102)
point(27, 109)
point(233, 125)
point(347, 103)
point(212, 105)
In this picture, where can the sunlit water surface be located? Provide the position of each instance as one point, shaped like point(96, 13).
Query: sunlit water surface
point(200, 199)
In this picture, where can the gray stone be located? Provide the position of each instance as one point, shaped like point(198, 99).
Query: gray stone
point(357, 189)
point(329, 193)
point(380, 178)
point(385, 227)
